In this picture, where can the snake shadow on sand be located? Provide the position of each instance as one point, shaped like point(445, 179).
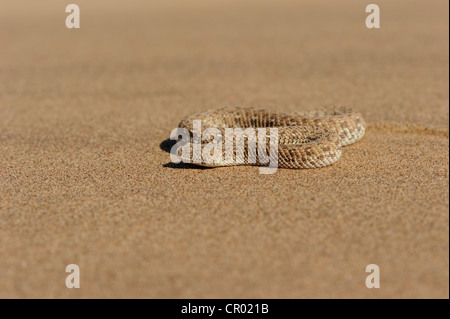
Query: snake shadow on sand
point(166, 146)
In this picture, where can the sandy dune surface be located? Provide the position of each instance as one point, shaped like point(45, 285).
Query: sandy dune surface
point(85, 178)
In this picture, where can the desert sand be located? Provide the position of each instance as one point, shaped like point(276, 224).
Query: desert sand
point(85, 179)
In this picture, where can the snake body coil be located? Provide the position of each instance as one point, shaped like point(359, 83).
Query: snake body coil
point(305, 140)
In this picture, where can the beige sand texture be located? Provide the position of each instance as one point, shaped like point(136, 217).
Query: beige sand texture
point(84, 180)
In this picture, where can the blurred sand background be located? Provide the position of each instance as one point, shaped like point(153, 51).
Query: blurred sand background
point(83, 178)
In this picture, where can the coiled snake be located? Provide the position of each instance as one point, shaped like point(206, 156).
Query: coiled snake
point(305, 140)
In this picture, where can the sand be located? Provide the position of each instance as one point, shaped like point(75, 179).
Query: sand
point(84, 178)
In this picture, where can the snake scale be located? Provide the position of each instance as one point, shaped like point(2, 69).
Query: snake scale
point(305, 139)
